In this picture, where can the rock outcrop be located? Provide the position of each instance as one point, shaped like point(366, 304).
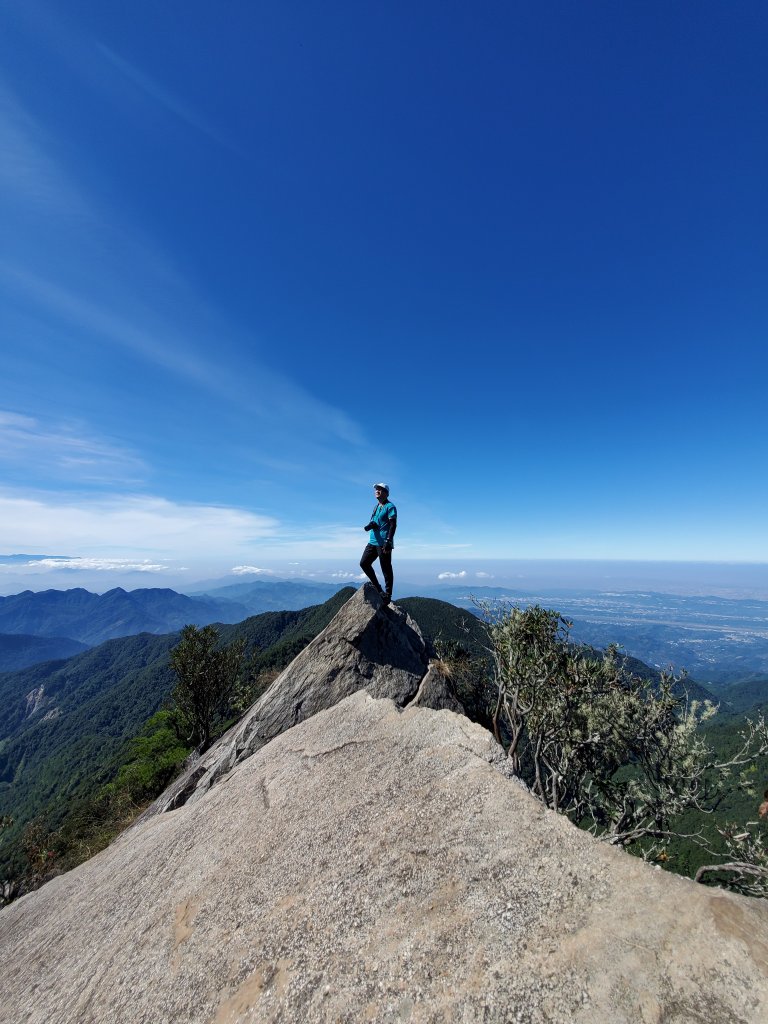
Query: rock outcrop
point(368, 646)
point(371, 864)
point(435, 692)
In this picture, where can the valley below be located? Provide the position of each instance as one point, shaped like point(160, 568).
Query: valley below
point(716, 640)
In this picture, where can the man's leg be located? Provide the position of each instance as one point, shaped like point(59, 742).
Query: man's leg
point(385, 558)
point(370, 555)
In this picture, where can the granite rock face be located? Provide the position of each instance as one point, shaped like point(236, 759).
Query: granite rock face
point(368, 646)
point(436, 692)
point(371, 864)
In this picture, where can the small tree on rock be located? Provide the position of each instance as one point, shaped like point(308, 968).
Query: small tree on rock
point(207, 675)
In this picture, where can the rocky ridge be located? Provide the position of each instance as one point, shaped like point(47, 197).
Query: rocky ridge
point(368, 646)
point(371, 863)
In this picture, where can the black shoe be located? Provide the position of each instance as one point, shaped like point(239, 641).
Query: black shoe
point(386, 597)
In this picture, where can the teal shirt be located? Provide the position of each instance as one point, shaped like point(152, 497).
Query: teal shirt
point(385, 517)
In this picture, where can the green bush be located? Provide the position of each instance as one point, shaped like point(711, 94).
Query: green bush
point(154, 758)
point(621, 755)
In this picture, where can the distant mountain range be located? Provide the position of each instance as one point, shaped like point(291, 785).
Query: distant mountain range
point(717, 640)
point(93, 618)
point(77, 618)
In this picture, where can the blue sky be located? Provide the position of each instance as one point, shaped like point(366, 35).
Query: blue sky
point(510, 257)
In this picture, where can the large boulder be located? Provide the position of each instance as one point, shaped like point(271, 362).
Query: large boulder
point(372, 864)
point(368, 646)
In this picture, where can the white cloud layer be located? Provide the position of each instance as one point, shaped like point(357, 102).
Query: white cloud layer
point(97, 564)
point(139, 528)
point(452, 575)
point(251, 570)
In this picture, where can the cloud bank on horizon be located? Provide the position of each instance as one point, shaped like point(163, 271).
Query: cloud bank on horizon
point(518, 284)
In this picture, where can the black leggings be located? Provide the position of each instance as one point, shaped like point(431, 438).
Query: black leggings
point(370, 555)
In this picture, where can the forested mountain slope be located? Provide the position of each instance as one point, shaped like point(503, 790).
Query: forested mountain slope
point(17, 650)
point(66, 722)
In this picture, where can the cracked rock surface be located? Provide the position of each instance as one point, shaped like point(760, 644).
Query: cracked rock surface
point(371, 864)
point(367, 646)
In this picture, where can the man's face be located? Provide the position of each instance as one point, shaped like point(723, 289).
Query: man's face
point(381, 495)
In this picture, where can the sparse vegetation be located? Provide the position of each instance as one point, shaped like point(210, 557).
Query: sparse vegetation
point(746, 866)
point(470, 679)
point(622, 756)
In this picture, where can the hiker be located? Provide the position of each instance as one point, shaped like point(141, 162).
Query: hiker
point(382, 526)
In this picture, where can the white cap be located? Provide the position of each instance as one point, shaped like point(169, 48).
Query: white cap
point(384, 487)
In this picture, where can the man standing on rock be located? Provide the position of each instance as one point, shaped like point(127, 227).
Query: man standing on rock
point(382, 526)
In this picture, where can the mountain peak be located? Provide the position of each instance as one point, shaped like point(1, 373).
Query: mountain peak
point(368, 645)
point(372, 861)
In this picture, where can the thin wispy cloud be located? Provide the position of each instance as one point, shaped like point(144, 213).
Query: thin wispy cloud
point(158, 93)
point(452, 575)
point(112, 284)
point(65, 450)
point(111, 326)
point(53, 221)
point(316, 539)
point(101, 67)
point(158, 343)
point(29, 175)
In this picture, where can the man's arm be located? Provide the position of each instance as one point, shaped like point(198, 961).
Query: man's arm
point(392, 519)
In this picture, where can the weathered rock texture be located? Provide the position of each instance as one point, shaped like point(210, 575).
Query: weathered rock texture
point(435, 692)
point(372, 864)
point(368, 646)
